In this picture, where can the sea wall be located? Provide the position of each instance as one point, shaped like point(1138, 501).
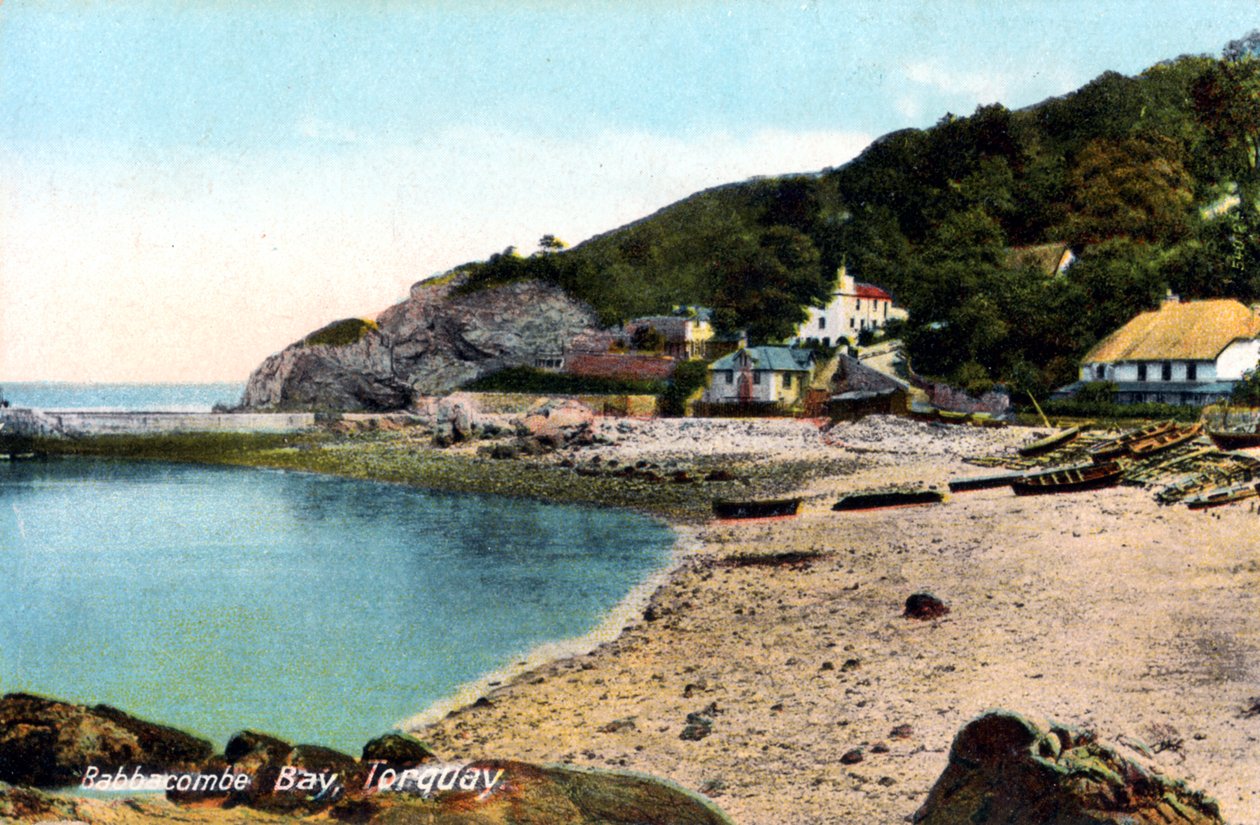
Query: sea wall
point(80, 422)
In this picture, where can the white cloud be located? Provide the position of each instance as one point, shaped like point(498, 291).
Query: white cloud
point(981, 87)
point(197, 267)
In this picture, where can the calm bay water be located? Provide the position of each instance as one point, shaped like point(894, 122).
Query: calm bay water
point(57, 395)
point(319, 609)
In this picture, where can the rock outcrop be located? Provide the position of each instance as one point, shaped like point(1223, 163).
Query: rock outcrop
point(46, 743)
point(431, 343)
point(1003, 768)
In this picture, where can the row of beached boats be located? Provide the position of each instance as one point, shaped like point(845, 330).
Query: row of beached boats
point(1106, 466)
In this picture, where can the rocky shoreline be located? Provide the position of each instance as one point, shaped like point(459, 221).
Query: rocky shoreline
point(774, 670)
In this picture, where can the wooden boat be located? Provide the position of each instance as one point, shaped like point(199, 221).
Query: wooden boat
point(1165, 440)
point(968, 483)
point(1070, 479)
point(1234, 439)
point(1116, 447)
point(1221, 495)
point(1045, 445)
point(888, 498)
point(767, 508)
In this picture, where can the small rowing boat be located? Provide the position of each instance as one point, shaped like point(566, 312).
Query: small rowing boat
point(1050, 442)
point(768, 508)
point(1116, 447)
point(1070, 479)
point(1221, 495)
point(1165, 440)
point(968, 483)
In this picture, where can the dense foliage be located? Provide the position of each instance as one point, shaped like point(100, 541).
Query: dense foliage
point(1152, 180)
point(530, 380)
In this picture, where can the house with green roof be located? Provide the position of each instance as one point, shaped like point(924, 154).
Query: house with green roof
point(760, 375)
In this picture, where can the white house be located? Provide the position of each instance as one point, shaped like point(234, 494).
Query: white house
point(1182, 353)
point(760, 375)
point(853, 307)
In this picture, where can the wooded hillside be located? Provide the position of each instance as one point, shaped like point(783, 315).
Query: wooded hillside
point(1142, 176)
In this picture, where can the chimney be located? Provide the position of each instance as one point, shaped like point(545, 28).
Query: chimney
point(844, 281)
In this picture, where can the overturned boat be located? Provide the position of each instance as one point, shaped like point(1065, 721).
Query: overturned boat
point(888, 498)
point(765, 508)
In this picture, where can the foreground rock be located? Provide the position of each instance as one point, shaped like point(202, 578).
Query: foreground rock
point(523, 793)
point(429, 344)
point(48, 744)
point(1003, 768)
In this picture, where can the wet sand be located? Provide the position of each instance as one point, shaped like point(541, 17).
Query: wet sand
point(1102, 610)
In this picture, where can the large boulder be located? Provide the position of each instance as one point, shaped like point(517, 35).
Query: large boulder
point(555, 795)
point(46, 743)
point(438, 339)
point(1004, 768)
point(264, 758)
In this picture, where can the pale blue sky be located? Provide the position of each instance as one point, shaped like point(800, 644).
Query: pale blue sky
point(189, 187)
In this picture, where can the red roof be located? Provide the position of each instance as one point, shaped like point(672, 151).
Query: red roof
point(871, 291)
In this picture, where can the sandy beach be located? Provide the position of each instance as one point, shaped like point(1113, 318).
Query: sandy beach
point(1103, 610)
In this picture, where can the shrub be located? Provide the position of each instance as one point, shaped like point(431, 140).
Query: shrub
point(340, 333)
point(688, 377)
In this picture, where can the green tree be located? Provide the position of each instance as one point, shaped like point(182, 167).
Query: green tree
point(767, 282)
point(1136, 187)
point(647, 338)
point(550, 243)
point(1227, 101)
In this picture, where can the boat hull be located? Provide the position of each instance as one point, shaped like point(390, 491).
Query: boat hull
point(1234, 441)
point(1050, 442)
point(770, 508)
point(1070, 480)
point(1164, 441)
point(876, 501)
point(1221, 496)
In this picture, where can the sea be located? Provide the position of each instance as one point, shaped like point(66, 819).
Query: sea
point(114, 397)
point(315, 608)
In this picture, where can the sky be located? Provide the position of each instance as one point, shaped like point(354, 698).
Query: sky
point(187, 188)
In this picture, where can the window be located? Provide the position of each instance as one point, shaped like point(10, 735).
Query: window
point(1192, 371)
point(730, 376)
point(1165, 372)
point(859, 303)
point(822, 323)
point(826, 342)
point(1098, 372)
point(756, 377)
point(1141, 372)
point(885, 309)
point(852, 323)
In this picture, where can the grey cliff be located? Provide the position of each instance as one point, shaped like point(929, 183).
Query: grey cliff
point(429, 344)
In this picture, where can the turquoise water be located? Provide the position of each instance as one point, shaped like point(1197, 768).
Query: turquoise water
point(315, 608)
point(56, 395)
